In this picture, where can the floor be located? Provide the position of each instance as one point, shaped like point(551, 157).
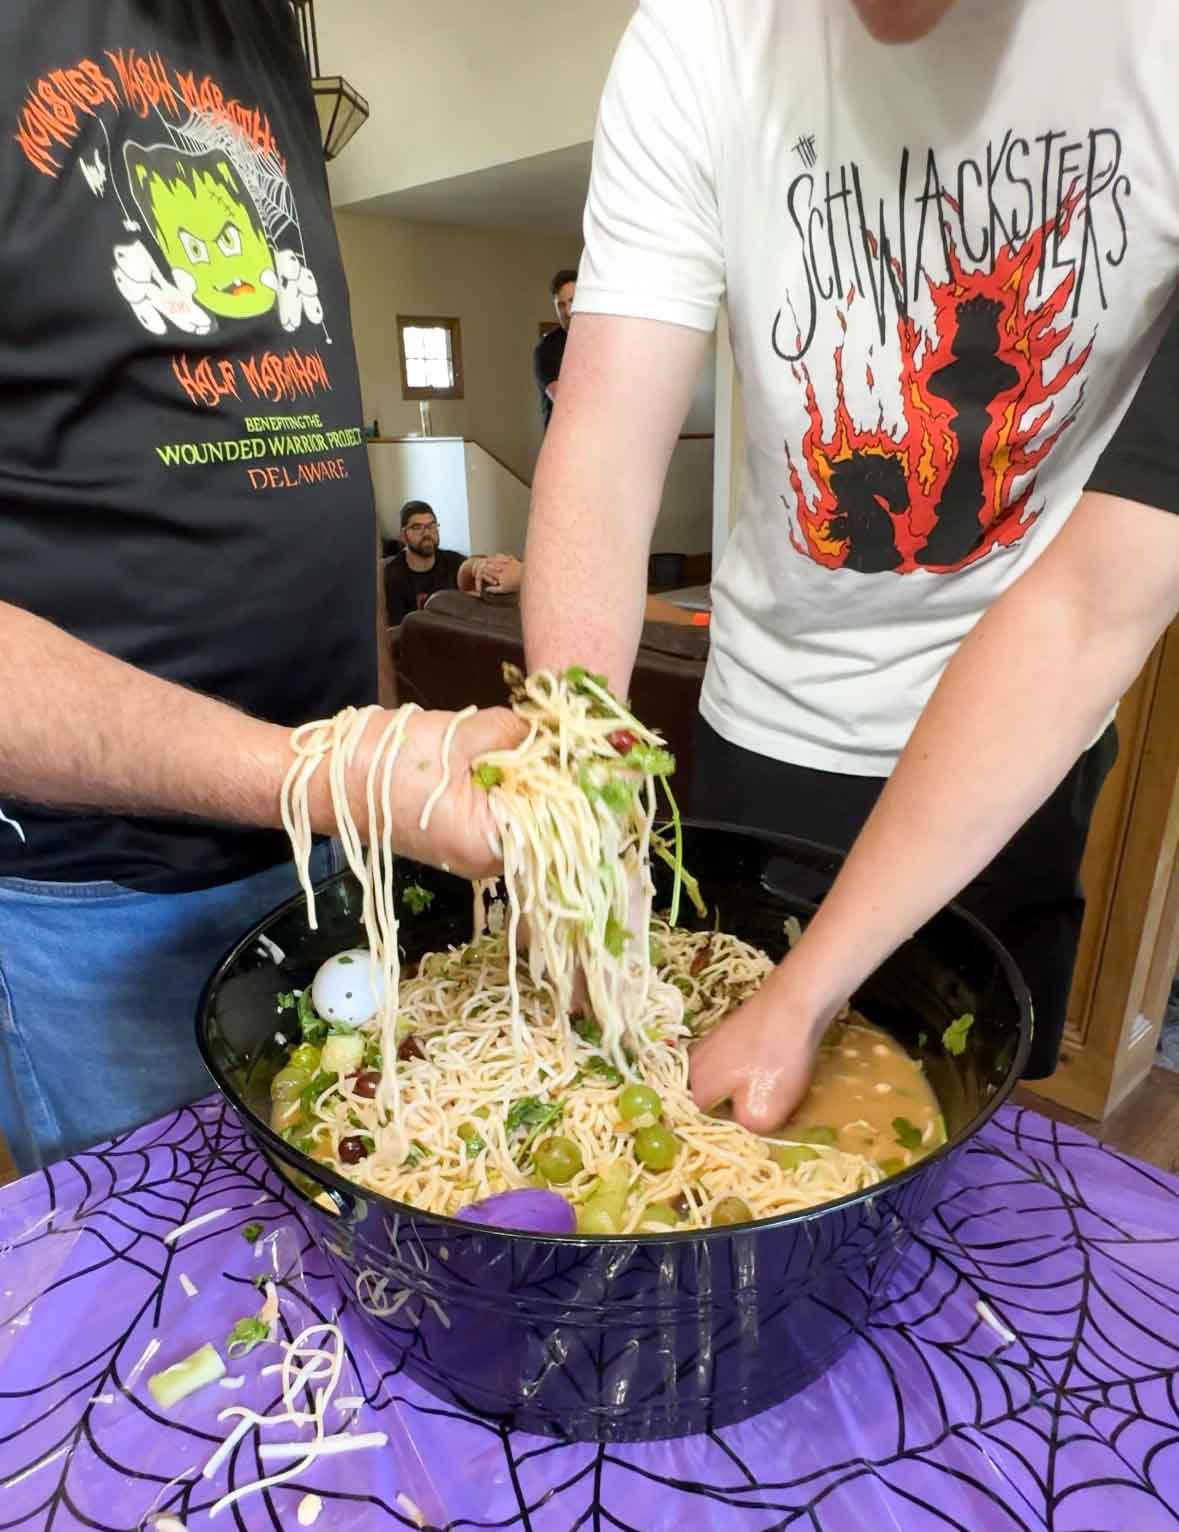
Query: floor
point(1146, 1127)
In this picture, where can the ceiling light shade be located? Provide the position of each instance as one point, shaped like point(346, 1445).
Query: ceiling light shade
point(341, 110)
point(340, 107)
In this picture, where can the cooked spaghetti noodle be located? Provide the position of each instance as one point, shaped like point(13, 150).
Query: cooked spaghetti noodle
point(488, 1062)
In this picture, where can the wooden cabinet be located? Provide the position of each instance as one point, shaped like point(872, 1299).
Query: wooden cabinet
point(1130, 941)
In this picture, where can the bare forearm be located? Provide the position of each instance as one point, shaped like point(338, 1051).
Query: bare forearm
point(1022, 699)
point(599, 484)
point(80, 729)
point(584, 571)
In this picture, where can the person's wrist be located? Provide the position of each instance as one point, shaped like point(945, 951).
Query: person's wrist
point(801, 991)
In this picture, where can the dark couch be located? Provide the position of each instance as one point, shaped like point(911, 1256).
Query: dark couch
point(452, 653)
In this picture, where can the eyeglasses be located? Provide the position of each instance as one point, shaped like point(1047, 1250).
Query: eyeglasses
point(422, 526)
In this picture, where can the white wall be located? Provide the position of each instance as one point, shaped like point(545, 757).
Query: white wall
point(497, 505)
point(496, 283)
point(685, 517)
point(434, 470)
point(454, 86)
point(480, 506)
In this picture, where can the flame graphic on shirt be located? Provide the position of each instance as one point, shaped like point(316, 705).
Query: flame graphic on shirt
point(940, 491)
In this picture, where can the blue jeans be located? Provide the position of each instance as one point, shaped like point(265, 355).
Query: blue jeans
point(98, 993)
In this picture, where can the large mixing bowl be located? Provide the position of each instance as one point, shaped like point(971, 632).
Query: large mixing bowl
point(641, 1336)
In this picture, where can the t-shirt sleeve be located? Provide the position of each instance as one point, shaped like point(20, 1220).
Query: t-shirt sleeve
point(653, 246)
point(1141, 461)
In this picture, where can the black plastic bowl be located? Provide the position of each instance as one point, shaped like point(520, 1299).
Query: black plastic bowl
point(635, 1337)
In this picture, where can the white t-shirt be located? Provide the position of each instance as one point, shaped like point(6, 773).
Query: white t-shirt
point(945, 267)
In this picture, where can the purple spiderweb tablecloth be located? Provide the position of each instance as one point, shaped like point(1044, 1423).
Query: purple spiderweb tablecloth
point(932, 1421)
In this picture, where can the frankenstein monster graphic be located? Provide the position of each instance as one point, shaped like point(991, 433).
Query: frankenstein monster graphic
point(208, 228)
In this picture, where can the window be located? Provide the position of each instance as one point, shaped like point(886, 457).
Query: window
point(431, 357)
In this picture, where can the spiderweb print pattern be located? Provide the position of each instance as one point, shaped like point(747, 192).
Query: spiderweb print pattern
point(261, 172)
point(930, 1422)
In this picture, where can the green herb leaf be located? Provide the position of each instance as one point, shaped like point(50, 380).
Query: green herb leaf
point(617, 794)
point(616, 937)
point(252, 1233)
point(287, 1001)
point(313, 1027)
point(955, 1035)
point(908, 1135)
point(417, 1153)
point(244, 1336)
point(343, 960)
point(532, 1115)
point(311, 1093)
point(416, 898)
point(651, 760)
point(487, 776)
point(587, 1029)
point(922, 1039)
point(577, 675)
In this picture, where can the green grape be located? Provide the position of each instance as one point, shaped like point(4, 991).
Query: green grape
point(656, 1147)
point(730, 1210)
point(289, 1083)
point(558, 1159)
point(791, 1156)
point(639, 1101)
point(661, 1213)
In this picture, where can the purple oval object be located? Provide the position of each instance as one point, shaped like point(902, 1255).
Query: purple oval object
point(529, 1207)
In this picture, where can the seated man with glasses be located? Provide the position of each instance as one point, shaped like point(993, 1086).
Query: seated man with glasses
point(422, 567)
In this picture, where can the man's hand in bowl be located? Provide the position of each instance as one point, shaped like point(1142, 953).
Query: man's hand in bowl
point(760, 1058)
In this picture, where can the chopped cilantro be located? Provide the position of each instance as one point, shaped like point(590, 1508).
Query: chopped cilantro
point(343, 959)
point(244, 1336)
point(616, 937)
point(602, 1069)
point(311, 1093)
point(533, 1115)
point(287, 1001)
point(617, 794)
point(487, 776)
point(954, 1037)
point(587, 1029)
point(252, 1233)
point(416, 898)
point(908, 1135)
point(651, 760)
point(577, 675)
point(314, 1029)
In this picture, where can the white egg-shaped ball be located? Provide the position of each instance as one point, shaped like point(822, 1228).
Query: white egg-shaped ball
point(347, 989)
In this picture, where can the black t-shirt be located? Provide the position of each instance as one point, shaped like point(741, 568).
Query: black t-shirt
point(1141, 462)
point(546, 367)
point(183, 479)
point(407, 590)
